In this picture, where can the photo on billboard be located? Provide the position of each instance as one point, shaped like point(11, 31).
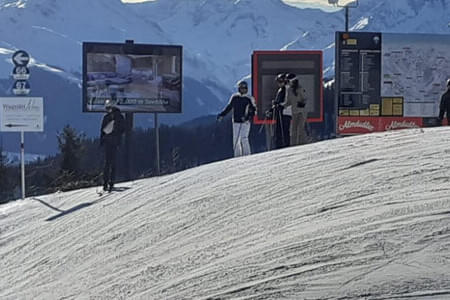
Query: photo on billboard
point(137, 77)
point(306, 65)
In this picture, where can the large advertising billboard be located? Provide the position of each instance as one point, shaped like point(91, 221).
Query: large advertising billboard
point(383, 77)
point(138, 77)
point(307, 65)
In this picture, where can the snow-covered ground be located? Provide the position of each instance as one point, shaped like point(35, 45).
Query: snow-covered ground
point(362, 217)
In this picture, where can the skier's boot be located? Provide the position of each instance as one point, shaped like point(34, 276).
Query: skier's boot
point(105, 186)
point(111, 186)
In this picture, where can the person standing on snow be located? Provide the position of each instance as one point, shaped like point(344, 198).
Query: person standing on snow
point(281, 134)
point(295, 97)
point(444, 107)
point(244, 108)
point(113, 126)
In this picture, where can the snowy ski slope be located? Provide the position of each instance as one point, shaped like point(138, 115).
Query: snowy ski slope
point(363, 217)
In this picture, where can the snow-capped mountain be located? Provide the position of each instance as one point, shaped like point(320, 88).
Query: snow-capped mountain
point(218, 35)
point(218, 38)
point(403, 16)
point(356, 218)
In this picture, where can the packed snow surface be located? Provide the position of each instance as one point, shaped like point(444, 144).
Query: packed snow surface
point(362, 217)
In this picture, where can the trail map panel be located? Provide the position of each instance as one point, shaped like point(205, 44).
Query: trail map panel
point(416, 67)
point(359, 73)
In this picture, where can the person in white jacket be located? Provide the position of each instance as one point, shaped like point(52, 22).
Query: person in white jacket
point(296, 98)
point(244, 108)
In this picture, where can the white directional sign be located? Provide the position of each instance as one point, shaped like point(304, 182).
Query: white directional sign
point(21, 87)
point(21, 58)
point(21, 73)
point(22, 114)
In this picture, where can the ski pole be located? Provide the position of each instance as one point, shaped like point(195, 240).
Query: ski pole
point(280, 118)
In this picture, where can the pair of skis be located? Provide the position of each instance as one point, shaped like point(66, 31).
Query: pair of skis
point(104, 192)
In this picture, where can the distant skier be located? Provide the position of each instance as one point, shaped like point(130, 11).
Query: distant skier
point(444, 107)
point(113, 126)
point(296, 99)
point(244, 108)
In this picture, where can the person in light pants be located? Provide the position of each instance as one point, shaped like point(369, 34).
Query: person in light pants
point(241, 145)
point(296, 98)
point(244, 108)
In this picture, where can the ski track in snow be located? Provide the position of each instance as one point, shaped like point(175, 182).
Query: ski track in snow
point(362, 217)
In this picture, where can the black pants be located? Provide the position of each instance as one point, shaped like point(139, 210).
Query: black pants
point(109, 171)
point(282, 134)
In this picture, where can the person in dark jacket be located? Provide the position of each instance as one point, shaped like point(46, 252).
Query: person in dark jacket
point(244, 108)
point(113, 126)
point(444, 107)
point(281, 135)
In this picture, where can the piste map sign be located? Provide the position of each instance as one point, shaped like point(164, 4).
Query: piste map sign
point(388, 81)
point(22, 114)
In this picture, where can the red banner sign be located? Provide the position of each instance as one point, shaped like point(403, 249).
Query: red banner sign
point(359, 125)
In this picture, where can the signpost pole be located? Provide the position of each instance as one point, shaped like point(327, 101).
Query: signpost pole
point(158, 167)
point(22, 155)
point(21, 74)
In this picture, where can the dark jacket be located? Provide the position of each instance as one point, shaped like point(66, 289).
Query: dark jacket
point(444, 107)
point(114, 137)
point(281, 96)
point(243, 107)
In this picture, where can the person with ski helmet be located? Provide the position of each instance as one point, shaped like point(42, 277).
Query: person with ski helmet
point(444, 107)
point(113, 126)
point(281, 134)
point(296, 99)
point(244, 108)
point(287, 111)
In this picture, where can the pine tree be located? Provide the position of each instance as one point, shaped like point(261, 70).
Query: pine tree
point(70, 144)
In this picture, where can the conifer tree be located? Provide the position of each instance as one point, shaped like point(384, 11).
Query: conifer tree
point(70, 145)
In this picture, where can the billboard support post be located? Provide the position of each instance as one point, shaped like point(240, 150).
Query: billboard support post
point(158, 167)
point(346, 18)
point(128, 135)
point(129, 130)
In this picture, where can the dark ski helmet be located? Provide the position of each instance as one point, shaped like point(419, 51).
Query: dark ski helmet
point(242, 85)
point(281, 77)
point(290, 76)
